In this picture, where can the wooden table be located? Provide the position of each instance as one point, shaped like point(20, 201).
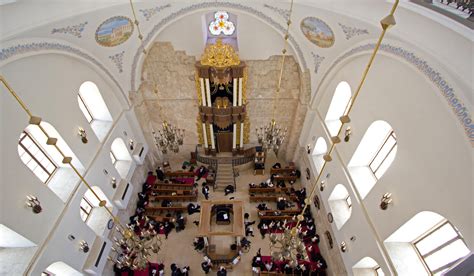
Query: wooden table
point(238, 228)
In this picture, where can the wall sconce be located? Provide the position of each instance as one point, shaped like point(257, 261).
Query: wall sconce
point(322, 186)
point(34, 204)
point(131, 143)
point(308, 148)
point(385, 201)
point(83, 135)
point(347, 134)
point(113, 181)
point(343, 247)
point(84, 246)
point(353, 238)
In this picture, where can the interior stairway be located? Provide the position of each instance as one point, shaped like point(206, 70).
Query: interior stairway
point(225, 174)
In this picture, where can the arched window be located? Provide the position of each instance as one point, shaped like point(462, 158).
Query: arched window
point(94, 109)
point(373, 156)
point(367, 267)
point(120, 157)
point(61, 268)
point(221, 25)
point(320, 149)
point(91, 213)
point(342, 96)
point(340, 204)
point(427, 244)
point(45, 161)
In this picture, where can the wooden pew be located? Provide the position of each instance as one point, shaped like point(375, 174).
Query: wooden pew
point(192, 197)
point(162, 185)
point(285, 178)
point(179, 174)
point(154, 211)
point(257, 190)
point(290, 212)
point(287, 218)
point(165, 191)
point(256, 198)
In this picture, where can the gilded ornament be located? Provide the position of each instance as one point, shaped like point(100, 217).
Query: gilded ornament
point(220, 55)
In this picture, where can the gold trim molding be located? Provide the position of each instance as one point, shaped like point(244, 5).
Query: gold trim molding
point(220, 55)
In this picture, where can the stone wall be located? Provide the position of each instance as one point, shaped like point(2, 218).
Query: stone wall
point(168, 83)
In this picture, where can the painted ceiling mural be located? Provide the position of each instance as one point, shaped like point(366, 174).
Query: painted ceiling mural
point(114, 31)
point(318, 32)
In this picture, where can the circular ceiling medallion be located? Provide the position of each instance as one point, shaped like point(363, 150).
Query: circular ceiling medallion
point(114, 31)
point(317, 31)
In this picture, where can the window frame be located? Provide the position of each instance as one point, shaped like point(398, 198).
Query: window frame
point(348, 201)
point(377, 268)
point(391, 134)
point(88, 214)
point(113, 157)
point(34, 158)
point(87, 108)
point(438, 248)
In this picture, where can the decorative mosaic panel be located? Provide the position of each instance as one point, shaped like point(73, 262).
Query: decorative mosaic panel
point(317, 61)
point(117, 59)
point(149, 13)
point(350, 32)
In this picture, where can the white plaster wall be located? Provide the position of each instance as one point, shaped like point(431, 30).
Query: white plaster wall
point(433, 167)
point(48, 84)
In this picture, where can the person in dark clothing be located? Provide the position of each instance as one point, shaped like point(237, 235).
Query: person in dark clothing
point(205, 191)
point(277, 166)
point(193, 209)
point(180, 223)
point(198, 243)
point(166, 203)
point(229, 189)
point(160, 174)
point(222, 271)
point(206, 267)
point(281, 204)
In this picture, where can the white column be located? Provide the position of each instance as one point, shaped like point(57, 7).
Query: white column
point(234, 93)
point(203, 94)
point(204, 132)
point(240, 91)
point(213, 146)
point(242, 135)
point(234, 137)
point(208, 93)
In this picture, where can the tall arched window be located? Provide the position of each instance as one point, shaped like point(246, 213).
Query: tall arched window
point(427, 244)
point(61, 268)
point(320, 149)
point(94, 109)
point(120, 157)
point(367, 267)
point(94, 216)
point(342, 96)
point(16, 251)
point(45, 161)
point(340, 204)
point(373, 156)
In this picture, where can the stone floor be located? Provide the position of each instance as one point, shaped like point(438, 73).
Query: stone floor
point(179, 249)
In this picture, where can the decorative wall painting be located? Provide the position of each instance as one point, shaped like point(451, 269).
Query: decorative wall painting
point(114, 31)
point(317, 31)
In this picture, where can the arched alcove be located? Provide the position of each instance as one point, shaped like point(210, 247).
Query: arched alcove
point(320, 149)
point(46, 162)
point(94, 109)
point(427, 241)
point(16, 251)
point(367, 267)
point(61, 269)
point(340, 99)
point(340, 204)
point(91, 213)
point(373, 156)
point(120, 157)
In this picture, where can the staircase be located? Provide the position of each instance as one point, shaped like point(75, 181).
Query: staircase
point(225, 174)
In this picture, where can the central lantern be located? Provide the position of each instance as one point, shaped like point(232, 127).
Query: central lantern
point(220, 83)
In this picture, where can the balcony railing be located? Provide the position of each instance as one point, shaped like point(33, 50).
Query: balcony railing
point(458, 10)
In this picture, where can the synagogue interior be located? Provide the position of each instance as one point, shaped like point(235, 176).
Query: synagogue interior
point(228, 137)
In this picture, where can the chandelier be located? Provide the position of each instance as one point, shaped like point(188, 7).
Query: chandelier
point(133, 250)
point(271, 136)
point(169, 138)
point(288, 247)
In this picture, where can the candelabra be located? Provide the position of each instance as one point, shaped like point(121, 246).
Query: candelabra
point(133, 250)
point(169, 138)
point(288, 247)
point(271, 136)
